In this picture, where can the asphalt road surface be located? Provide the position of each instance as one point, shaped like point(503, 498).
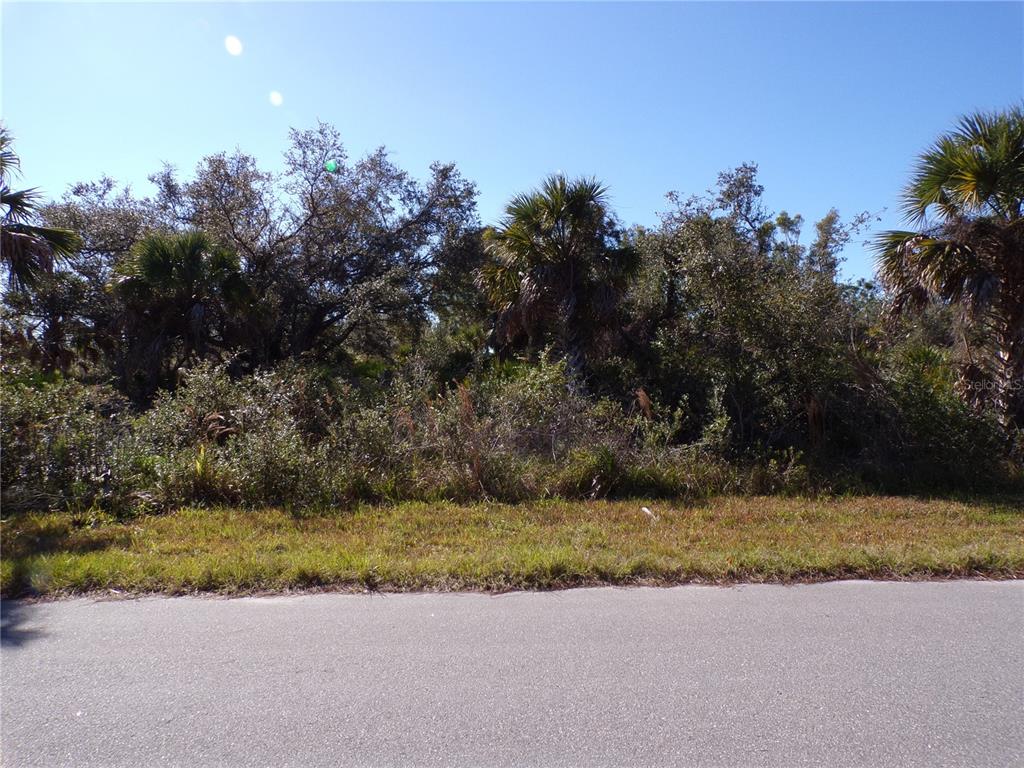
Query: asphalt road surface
point(840, 674)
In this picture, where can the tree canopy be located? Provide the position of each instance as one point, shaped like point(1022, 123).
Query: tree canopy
point(966, 198)
point(390, 331)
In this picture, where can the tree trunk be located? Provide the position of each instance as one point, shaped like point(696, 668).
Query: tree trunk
point(572, 343)
point(53, 341)
point(1009, 399)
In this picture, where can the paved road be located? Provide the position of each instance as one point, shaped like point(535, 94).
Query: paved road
point(842, 674)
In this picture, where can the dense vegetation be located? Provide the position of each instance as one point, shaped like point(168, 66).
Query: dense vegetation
point(314, 338)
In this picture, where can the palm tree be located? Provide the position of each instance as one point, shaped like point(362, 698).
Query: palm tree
point(178, 291)
point(27, 251)
point(556, 266)
point(965, 200)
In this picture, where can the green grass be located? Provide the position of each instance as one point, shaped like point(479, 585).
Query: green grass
point(527, 546)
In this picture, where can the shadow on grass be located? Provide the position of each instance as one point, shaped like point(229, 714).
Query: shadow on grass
point(33, 538)
point(995, 501)
point(44, 537)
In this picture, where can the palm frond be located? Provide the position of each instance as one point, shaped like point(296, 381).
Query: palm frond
point(27, 251)
point(61, 243)
point(20, 204)
point(10, 163)
point(977, 169)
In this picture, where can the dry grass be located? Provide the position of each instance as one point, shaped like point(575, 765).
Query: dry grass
point(530, 546)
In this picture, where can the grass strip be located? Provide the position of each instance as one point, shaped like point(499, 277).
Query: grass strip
point(490, 546)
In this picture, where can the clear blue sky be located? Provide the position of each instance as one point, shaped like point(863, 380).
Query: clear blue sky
point(832, 100)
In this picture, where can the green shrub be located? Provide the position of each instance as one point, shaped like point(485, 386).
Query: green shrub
point(916, 434)
point(300, 438)
point(57, 441)
point(589, 473)
point(257, 440)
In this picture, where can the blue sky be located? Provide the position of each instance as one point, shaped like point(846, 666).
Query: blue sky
point(833, 100)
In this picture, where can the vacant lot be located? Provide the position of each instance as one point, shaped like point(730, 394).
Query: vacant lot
point(496, 546)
